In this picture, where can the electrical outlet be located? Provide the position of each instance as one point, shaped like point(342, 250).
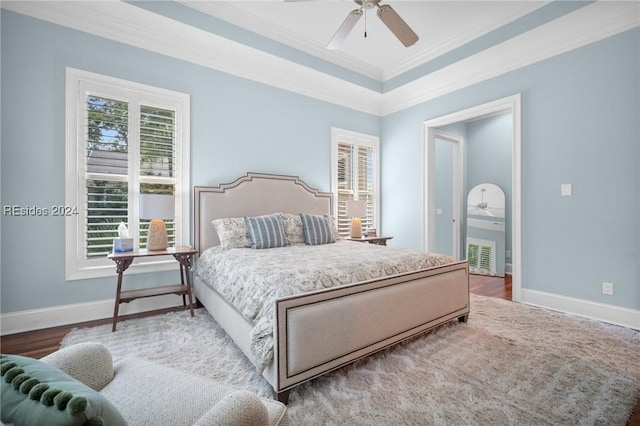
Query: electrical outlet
point(607, 288)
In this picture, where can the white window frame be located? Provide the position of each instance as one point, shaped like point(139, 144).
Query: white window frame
point(358, 139)
point(78, 84)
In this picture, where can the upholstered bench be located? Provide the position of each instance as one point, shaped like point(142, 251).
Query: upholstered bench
point(131, 391)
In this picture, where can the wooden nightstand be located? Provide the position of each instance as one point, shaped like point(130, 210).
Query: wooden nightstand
point(381, 241)
point(124, 259)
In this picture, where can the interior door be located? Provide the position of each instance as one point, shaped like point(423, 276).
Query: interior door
point(448, 194)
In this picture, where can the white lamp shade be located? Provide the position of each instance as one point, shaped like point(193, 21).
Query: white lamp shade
point(157, 206)
point(356, 208)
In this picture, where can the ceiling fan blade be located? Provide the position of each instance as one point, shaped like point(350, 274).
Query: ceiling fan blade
point(345, 29)
point(397, 25)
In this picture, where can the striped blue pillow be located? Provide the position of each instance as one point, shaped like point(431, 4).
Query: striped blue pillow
point(266, 231)
point(317, 229)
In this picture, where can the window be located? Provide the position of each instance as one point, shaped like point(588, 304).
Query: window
point(123, 139)
point(354, 176)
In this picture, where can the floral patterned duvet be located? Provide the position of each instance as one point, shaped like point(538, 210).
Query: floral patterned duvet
point(252, 279)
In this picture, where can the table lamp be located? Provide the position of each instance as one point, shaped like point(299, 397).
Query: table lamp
point(157, 207)
point(356, 209)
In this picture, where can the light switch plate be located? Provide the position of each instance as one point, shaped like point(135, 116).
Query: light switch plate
point(565, 188)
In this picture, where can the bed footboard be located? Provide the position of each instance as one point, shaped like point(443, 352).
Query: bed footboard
point(321, 331)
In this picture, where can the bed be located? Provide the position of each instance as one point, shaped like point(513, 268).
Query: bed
point(293, 336)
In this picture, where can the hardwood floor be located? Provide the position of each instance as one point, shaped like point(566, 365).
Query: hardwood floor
point(39, 343)
point(491, 286)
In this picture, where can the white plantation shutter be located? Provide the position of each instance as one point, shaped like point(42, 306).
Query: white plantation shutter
point(366, 186)
point(346, 190)
point(133, 141)
point(107, 172)
point(481, 255)
point(355, 176)
point(157, 160)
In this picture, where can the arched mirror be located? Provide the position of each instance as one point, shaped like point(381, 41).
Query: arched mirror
point(485, 247)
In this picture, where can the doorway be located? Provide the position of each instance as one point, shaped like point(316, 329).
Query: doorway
point(510, 104)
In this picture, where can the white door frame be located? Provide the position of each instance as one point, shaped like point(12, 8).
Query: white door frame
point(457, 166)
point(510, 103)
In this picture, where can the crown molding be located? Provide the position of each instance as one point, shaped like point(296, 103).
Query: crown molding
point(125, 23)
point(467, 33)
point(579, 28)
point(228, 13)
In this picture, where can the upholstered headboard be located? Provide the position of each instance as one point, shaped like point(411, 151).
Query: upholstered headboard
point(252, 195)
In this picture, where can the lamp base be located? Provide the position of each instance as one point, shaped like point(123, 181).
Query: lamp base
point(356, 228)
point(157, 236)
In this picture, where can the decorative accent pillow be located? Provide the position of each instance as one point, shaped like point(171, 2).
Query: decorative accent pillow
point(266, 231)
point(334, 226)
point(232, 232)
point(36, 393)
point(293, 228)
point(318, 229)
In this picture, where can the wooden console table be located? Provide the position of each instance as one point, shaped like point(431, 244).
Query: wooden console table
point(124, 259)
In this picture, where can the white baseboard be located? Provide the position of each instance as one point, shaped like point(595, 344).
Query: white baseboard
point(508, 268)
point(625, 317)
point(36, 319)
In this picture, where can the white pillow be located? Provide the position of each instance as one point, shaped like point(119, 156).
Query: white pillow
point(293, 228)
point(232, 232)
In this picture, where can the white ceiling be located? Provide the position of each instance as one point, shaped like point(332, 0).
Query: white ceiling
point(309, 25)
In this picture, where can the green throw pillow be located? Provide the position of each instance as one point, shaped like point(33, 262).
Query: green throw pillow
point(36, 393)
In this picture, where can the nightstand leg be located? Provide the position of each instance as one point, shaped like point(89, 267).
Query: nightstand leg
point(121, 266)
point(117, 306)
point(182, 272)
point(189, 290)
point(185, 263)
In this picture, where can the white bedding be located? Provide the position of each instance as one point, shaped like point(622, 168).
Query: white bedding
point(252, 279)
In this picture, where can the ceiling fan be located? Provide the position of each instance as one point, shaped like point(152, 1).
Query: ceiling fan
point(481, 207)
point(387, 15)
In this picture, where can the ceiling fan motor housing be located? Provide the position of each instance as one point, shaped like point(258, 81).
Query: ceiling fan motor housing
point(367, 4)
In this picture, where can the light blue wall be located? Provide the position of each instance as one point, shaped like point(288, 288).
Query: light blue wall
point(236, 126)
point(579, 125)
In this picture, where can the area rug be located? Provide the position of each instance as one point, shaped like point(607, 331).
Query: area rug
point(510, 364)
